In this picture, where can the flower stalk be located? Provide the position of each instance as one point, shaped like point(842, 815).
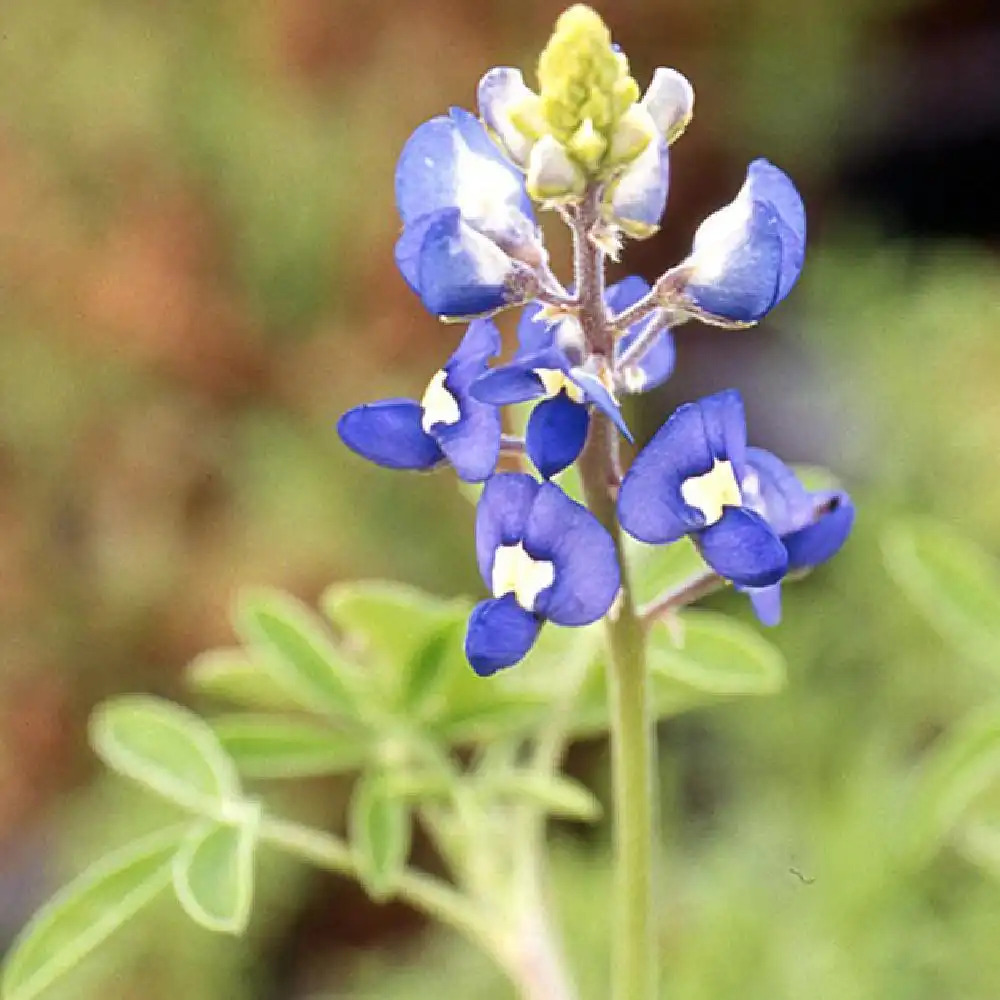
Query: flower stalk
point(632, 733)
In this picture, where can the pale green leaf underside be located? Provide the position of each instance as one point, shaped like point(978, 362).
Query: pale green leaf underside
point(85, 913)
point(213, 874)
point(166, 748)
point(556, 794)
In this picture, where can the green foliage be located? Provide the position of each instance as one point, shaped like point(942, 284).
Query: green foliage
point(83, 915)
point(295, 650)
point(952, 582)
point(213, 872)
point(274, 746)
point(379, 823)
point(961, 766)
point(167, 749)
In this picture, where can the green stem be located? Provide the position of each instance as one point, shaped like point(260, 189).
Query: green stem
point(424, 892)
point(632, 733)
point(632, 754)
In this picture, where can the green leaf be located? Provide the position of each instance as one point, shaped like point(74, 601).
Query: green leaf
point(270, 746)
point(980, 844)
point(557, 794)
point(707, 653)
point(508, 713)
point(230, 675)
point(655, 569)
point(293, 646)
point(213, 872)
point(951, 581)
point(85, 913)
point(167, 749)
point(961, 765)
point(379, 824)
point(401, 629)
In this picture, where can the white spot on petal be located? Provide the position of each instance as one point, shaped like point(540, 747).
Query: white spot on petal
point(438, 404)
point(517, 573)
point(713, 491)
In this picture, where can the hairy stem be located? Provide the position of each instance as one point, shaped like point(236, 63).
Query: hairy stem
point(632, 734)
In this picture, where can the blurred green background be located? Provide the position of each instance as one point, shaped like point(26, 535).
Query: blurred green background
point(196, 278)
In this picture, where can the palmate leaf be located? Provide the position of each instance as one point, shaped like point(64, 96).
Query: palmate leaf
point(167, 749)
point(557, 794)
point(954, 584)
point(296, 650)
point(274, 746)
point(213, 872)
point(85, 913)
point(402, 632)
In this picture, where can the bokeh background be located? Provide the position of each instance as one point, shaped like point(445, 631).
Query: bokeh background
point(196, 278)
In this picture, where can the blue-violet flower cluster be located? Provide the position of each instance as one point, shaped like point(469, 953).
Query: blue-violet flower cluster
point(590, 148)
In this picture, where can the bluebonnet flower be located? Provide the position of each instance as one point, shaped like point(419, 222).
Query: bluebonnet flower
point(552, 364)
point(469, 244)
point(747, 256)
point(689, 480)
point(813, 526)
point(544, 557)
point(447, 424)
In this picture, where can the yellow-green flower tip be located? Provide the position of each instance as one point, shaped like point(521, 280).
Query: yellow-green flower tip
point(585, 86)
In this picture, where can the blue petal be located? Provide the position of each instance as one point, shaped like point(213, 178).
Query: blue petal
point(726, 428)
point(390, 434)
point(507, 385)
point(450, 162)
point(657, 363)
point(501, 516)
point(742, 548)
point(533, 333)
point(408, 247)
point(500, 634)
point(594, 392)
point(626, 292)
point(774, 491)
point(472, 445)
point(650, 505)
point(556, 433)
point(587, 577)
point(766, 603)
point(818, 542)
point(639, 198)
point(749, 254)
point(775, 188)
point(460, 272)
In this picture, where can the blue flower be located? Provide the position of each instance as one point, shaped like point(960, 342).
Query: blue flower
point(689, 480)
point(447, 424)
point(544, 557)
point(469, 243)
point(552, 364)
point(813, 526)
point(747, 256)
